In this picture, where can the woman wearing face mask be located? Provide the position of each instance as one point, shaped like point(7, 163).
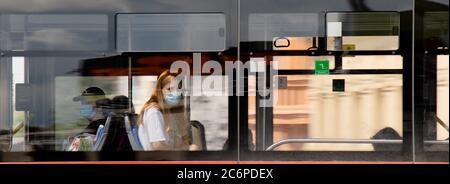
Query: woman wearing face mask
point(163, 123)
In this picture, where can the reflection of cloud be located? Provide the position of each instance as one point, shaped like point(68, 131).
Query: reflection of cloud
point(266, 26)
point(199, 4)
point(443, 2)
point(45, 5)
point(55, 38)
point(112, 5)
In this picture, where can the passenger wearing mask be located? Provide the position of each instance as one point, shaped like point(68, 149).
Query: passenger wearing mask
point(163, 122)
point(94, 107)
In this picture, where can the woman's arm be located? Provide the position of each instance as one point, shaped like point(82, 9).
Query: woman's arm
point(160, 145)
point(194, 147)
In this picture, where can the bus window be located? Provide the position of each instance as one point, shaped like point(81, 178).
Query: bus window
point(202, 98)
point(363, 31)
point(12, 134)
point(59, 82)
point(18, 116)
point(5, 105)
point(170, 32)
point(434, 62)
point(68, 79)
point(301, 40)
point(442, 97)
point(69, 118)
point(309, 108)
point(436, 131)
point(283, 31)
point(436, 34)
point(351, 100)
point(213, 102)
point(55, 32)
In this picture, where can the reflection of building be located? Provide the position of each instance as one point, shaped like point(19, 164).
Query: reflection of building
point(442, 95)
point(370, 103)
point(309, 108)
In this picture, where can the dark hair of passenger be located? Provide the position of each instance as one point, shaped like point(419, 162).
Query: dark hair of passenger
point(251, 146)
point(122, 104)
point(105, 105)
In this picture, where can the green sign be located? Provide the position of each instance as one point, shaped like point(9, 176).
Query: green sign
point(322, 67)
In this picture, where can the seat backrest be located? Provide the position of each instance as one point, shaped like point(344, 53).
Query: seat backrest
point(116, 138)
point(132, 132)
point(198, 134)
point(102, 136)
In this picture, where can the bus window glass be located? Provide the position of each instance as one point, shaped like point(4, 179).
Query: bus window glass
point(283, 31)
point(380, 62)
point(436, 26)
point(54, 32)
point(215, 124)
point(18, 66)
point(69, 120)
point(435, 63)
point(362, 31)
point(442, 97)
point(5, 105)
point(309, 109)
point(202, 98)
point(170, 32)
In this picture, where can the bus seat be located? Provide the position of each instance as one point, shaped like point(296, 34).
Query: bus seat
point(132, 132)
point(116, 138)
point(198, 134)
point(102, 137)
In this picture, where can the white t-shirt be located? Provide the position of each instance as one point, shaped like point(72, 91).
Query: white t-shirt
point(152, 128)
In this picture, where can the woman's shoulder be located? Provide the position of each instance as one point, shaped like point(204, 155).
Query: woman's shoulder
point(152, 115)
point(152, 110)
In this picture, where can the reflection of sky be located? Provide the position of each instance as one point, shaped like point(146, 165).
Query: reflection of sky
point(265, 26)
point(212, 112)
point(171, 32)
point(320, 5)
point(48, 5)
point(18, 69)
point(111, 5)
point(58, 31)
point(18, 73)
point(444, 2)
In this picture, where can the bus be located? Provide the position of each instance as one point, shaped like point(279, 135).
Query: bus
point(266, 81)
